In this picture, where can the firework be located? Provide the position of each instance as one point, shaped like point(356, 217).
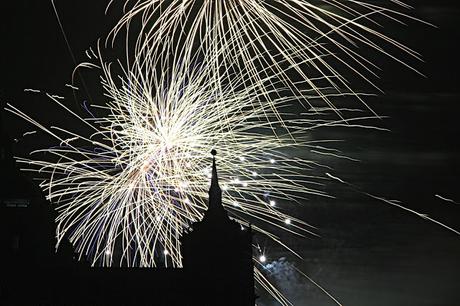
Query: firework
point(126, 192)
point(214, 74)
point(142, 176)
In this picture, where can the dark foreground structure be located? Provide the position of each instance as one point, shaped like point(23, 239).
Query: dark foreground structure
point(217, 256)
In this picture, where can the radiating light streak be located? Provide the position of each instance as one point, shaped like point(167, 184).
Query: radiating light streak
point(32, 90)
point(445, 199)
point(72, 86)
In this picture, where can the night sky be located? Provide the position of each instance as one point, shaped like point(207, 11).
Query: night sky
point(369, 253)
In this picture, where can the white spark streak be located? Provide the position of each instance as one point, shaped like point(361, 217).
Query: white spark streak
point(71, 86)
point(445, 199)
point(32, 90)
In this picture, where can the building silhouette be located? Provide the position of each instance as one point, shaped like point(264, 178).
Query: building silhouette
point(218, 254)
point(217, 257)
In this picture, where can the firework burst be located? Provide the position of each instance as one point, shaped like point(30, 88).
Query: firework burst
point(126, 192)
point(142, 176)
point(202, 75)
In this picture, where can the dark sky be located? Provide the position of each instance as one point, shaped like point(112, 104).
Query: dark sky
point(369, 253)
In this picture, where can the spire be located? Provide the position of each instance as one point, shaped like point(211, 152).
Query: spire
point(214, 178)
point(215, 193)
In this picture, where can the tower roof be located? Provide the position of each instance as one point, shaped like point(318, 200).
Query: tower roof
point(215, 193)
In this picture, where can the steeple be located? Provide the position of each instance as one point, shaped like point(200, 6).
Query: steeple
point(215, 193)
point(214, 240)
point(214, 178)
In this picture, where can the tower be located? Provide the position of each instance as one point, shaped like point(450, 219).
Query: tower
point(217, 255)
point(16, 195)
point(26, 230)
